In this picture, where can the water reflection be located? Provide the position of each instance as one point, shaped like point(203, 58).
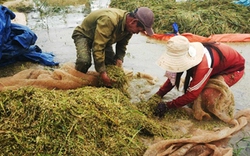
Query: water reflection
point(68, 17)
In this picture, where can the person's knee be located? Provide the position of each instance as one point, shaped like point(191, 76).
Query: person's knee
point(233, 78)
point(210, 94)
point(82, 66)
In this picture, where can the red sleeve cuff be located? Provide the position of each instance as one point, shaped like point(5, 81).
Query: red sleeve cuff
point(171, 104)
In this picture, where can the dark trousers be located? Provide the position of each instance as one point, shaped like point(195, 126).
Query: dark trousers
point(83, 53)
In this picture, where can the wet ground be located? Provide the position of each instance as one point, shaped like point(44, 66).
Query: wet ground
point(54, 35)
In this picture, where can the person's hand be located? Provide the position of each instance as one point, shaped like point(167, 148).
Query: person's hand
point(161, 109)
point(119, 63)
point(106, 80)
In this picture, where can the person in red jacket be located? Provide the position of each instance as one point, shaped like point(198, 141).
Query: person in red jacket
point(200, 62)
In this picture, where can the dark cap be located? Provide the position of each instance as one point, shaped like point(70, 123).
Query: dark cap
point(146, 17)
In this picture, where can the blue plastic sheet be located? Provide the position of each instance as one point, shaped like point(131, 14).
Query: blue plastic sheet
point(17, 42)
point(243, 2)
point(5, 21)
point(175, 30)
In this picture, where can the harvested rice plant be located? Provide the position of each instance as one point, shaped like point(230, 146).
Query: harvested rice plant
point(200, 17)
point(86, 121)
point(102, 121)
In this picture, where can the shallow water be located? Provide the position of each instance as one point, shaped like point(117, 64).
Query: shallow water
point(54, 35)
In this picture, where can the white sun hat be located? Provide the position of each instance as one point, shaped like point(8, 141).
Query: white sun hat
point(181, 55)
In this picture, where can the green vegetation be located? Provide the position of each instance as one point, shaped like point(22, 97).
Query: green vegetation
point(102, 121)
point(85, 121)
point(194, 16)
point(2, 1)
point(51, 7)
point(241, 146)
point(12, 69)
point(63, 3)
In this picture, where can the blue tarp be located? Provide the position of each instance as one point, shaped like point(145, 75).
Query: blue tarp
point(17, 42)
point(243, 2)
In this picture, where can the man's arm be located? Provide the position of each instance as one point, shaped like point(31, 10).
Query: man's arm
point(121, 47)
point(104, 29)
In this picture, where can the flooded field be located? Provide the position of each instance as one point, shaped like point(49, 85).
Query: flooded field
point(54, 35)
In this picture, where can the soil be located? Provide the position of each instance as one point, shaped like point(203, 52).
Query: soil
point(54, 35)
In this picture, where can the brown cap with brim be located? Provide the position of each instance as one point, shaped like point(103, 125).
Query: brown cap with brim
point(146, 17)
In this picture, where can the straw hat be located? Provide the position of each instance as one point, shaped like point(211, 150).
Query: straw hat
point(181, 55)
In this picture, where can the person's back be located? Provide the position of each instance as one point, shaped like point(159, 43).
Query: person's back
point(111, 17)
point(233, 60)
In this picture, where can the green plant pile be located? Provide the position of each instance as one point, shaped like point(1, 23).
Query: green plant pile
point(118, 78)
point(2, 1)
point(200, 17)
point(84, 121)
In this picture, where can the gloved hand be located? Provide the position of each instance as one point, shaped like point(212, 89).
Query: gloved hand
point(106, 80)
point(176, 28)
point(119, 63)
point(161, 109)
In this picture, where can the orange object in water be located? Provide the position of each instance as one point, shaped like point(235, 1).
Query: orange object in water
point(216, 37)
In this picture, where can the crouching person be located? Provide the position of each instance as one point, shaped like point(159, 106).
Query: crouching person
point(201, 62)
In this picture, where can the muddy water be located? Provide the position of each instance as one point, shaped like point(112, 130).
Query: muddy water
point(54, 35)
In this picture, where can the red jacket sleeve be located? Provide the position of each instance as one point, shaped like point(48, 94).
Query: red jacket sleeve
point(198, 82)
point(165, 88)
